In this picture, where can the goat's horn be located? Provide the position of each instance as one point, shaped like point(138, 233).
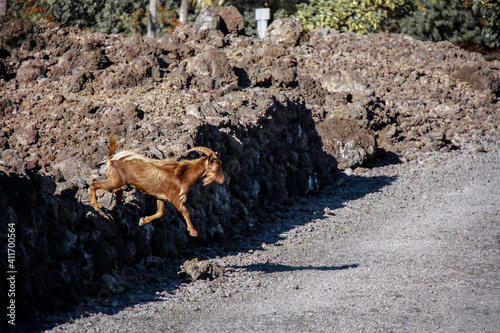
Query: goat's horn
point(204, 150)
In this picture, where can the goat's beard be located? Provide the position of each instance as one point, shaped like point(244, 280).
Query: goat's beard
point(207, 181)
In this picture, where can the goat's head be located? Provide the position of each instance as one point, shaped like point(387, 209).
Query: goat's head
point(213, 170)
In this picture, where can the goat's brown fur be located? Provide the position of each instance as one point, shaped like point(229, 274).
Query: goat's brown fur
point(167, 180)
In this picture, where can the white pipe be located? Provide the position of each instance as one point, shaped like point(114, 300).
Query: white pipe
point(262, 15)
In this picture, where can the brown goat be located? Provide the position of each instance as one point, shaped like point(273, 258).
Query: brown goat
point(164, 179)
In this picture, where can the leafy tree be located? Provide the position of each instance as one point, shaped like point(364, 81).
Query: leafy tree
point(469, 23)
point(108, 16)
point(461, 22)
point(361, 16)
point(488, 13)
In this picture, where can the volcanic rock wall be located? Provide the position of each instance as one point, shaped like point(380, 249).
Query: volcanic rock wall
point(271, 153)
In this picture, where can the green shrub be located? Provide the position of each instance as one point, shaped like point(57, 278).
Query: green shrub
point(465, 23)
point(361, 16)
point(108, 16)
point(488, 13)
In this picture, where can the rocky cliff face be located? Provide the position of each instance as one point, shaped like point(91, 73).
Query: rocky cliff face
point(284, 113)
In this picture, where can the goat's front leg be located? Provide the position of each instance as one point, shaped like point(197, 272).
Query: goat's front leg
point(160, 204)
point(94, 186)
point(180, 207)
point(93, 197)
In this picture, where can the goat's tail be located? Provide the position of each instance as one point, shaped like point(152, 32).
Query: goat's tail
point(113, 145)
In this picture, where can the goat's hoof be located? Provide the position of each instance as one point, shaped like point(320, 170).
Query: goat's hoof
point(103, 214)
point(141, 222)
point(193, 233)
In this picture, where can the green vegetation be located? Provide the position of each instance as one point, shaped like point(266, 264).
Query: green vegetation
point(108, 16)
point(467, 23)
point(360, 16)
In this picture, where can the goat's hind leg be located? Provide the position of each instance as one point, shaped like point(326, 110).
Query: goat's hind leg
point(160, 204)
point(181, 208)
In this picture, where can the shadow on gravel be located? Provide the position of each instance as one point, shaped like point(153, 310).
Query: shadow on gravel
point(316, 206)
point(273, 268)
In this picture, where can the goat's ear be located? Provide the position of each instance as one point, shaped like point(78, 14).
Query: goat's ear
point(209, 160)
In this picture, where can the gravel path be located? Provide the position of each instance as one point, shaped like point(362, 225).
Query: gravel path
point(412, 247)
